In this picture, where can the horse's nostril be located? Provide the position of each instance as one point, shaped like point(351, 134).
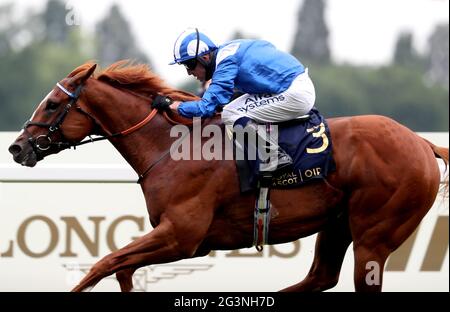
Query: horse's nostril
point(15, 149)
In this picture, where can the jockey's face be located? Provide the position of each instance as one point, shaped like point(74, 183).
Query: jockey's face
point(199, 71)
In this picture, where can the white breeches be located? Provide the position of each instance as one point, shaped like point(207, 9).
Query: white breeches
point(294, 102)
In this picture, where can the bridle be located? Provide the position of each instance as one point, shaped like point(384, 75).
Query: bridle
point(44, 142)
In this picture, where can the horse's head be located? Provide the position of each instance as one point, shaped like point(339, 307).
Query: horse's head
point(59, 121)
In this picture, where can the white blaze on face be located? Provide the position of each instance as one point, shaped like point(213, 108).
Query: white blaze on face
point(39, 106)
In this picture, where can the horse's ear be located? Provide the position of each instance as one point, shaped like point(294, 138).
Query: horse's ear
point(81, 77)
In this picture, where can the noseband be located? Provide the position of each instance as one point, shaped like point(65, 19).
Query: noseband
point(44, 142)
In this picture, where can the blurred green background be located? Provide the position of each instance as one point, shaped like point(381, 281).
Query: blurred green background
point(39, 49)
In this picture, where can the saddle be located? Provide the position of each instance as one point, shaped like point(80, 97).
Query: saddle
point(307, 141)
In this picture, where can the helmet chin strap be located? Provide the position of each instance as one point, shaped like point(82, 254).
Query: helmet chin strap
point(208, 65)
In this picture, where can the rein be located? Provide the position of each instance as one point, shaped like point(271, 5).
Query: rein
point(44, 142)
point(174, 121)
point(56, 126)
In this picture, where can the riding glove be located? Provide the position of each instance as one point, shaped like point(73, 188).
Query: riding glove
point(161, 102)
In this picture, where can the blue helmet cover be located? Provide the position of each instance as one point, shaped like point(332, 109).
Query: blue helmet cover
point(185, 46)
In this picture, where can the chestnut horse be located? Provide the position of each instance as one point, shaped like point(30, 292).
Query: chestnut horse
point(386, 180)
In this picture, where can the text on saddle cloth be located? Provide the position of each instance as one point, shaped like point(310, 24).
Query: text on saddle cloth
point(307, 142)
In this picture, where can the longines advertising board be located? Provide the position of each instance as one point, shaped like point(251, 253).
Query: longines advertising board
point(59, 218)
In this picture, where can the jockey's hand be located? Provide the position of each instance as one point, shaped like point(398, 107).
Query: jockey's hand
point(174, 106)
point(161, 102)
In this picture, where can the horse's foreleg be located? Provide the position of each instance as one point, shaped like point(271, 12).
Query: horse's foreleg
point(125, 279)
point(331, 245)
point(159, 246)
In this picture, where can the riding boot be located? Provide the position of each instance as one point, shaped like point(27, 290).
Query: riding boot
point(272, 156)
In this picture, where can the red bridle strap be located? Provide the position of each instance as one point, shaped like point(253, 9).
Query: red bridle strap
point(140, 124)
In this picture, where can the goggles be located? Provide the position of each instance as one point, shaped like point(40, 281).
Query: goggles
point(190, 64)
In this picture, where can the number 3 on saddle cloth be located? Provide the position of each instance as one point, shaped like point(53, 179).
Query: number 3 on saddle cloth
point(306, 140)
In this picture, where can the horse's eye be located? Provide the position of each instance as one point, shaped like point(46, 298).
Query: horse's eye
point(51, 106)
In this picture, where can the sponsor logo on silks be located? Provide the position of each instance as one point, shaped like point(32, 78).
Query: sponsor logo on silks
point(259, 100)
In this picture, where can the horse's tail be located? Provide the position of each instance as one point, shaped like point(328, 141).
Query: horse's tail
point(442, 153)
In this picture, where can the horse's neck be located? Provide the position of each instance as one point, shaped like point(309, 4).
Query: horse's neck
point(117, 111)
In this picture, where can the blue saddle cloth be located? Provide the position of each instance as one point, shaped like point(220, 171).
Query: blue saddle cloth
point(309, 144)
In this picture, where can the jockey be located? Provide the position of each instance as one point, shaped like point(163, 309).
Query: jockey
point(275, 85)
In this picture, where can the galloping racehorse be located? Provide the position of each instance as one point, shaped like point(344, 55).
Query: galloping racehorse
point(386, 180)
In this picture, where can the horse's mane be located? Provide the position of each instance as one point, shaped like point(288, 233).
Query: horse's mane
point(138, 78)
